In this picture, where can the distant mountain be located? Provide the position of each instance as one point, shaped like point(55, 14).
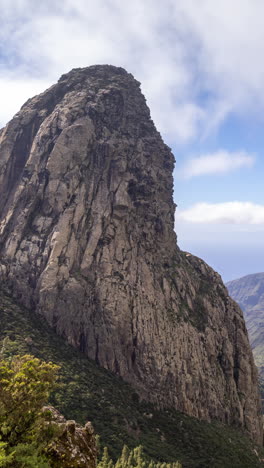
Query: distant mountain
point(249, 293)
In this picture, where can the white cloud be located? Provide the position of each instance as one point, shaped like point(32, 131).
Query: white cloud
point(46, 41)
point(14, 92)
point(219, 162)
point(197, 61)
point(244, 213)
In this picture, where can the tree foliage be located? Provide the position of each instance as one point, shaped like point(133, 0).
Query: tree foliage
point(132, 459)
point(25, 384)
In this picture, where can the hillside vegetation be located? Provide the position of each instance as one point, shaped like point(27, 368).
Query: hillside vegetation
point(88, 392)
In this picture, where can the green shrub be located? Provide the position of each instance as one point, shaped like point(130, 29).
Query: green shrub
point(132, 459)
point(25, 384)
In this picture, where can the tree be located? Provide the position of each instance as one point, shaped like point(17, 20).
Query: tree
point(106, 462)
point(132, 459)
point(25, 384)
point(25, 436)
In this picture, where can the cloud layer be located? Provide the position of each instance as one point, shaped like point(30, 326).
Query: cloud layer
point(220, 162)
point(235, 212)
point(194, 59)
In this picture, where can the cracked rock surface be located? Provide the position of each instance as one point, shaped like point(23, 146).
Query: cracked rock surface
point(73, 446)
point(87, 240)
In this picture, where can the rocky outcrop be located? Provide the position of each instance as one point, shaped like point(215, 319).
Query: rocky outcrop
point(87, 240)
point(73, 446)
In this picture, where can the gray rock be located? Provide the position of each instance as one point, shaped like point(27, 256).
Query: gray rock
point(72, 446)
point(87, 240)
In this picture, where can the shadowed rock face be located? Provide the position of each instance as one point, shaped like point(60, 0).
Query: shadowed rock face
point(87, 240)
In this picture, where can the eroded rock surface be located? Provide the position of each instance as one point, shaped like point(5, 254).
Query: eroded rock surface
point(87, 239)
point(73, 446)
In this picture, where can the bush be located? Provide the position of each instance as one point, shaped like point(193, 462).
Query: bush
point(132, 459)
point(25, 384)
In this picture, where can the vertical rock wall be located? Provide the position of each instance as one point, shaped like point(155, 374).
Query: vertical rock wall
point(87, 240)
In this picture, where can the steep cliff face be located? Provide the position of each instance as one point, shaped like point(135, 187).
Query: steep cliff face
point(87, 240)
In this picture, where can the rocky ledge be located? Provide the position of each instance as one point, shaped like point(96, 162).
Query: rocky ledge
point(73, 446)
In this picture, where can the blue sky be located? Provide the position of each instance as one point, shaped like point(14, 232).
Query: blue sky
point(242, 183)
point(202, 74)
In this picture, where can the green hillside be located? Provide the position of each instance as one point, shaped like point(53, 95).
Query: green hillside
point(88, 392)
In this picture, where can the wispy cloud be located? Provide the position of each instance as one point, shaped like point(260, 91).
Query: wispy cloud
point(140, 37)
point(220, 162)
point(14, 92)
point(235, 212)
point(181, 52)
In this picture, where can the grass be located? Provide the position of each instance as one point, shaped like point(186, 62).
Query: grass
point(88, 392)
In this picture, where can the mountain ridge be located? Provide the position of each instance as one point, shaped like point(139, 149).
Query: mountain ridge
point(248, 291)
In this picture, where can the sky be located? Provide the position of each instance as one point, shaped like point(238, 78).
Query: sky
point(201, 69)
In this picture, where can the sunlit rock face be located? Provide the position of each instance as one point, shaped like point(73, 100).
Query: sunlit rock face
point(87, 240)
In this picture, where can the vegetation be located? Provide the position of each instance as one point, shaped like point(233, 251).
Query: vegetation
point(131, 459)
point(114, 407)
point(25, 384)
